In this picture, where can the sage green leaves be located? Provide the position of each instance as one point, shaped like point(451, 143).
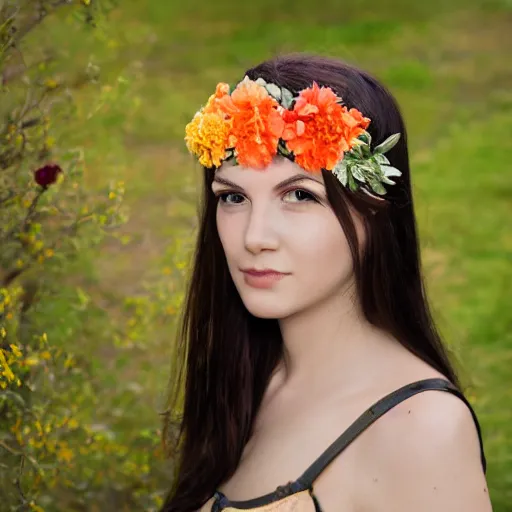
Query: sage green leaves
point(282, 95)
point(362, 165)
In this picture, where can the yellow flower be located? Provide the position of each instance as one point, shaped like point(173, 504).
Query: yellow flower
point(31, 361)
point(51, 83)
point(46, 355)
point(65, 454)
point(39, 427)
point(207, 137)
point(5, 368)
point(69, 362)
point(35, 507)
point(73, 424)
point(15, 350)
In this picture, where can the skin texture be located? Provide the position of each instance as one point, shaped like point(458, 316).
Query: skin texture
point(424, 453)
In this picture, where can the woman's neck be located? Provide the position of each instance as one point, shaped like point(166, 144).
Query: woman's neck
point(333, 344)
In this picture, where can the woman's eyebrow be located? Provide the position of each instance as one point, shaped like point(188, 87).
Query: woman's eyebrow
point(282, 184)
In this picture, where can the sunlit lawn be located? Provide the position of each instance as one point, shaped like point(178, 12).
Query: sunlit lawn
point(447, 64)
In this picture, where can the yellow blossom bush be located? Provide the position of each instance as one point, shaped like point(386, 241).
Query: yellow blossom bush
point(56, 453)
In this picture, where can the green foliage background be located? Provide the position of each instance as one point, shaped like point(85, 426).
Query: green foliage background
point(114, 307)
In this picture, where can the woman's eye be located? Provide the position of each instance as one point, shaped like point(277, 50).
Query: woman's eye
point(230, 198)
point(300, 196)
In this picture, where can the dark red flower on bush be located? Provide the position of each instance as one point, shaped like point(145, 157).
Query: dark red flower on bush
point(47, 175)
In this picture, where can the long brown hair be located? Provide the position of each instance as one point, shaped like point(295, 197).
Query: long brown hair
point(225, 356)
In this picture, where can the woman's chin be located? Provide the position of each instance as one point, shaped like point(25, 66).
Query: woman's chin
point(264, 307)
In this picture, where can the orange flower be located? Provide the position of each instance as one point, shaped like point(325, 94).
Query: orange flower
point(256, 123)
point(319, 130)
point(355, 124)
point(212, 105)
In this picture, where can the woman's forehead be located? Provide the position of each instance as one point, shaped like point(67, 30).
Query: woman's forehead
point(279, 169)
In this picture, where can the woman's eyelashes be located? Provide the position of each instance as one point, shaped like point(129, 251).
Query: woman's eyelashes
point(223, 197)
point(299, 195)
point(296, 195)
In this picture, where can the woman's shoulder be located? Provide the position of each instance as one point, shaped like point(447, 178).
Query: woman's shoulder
point(427, 418)
point(426, 446)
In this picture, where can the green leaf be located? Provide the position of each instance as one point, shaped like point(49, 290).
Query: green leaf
point(367, 152)
point(340, 171)
point(274, 91)
point(366, 138)
point(351, 183)
point(358, 173)
point(388, 170)
point(357, 151)
point(286, 98)
point(377, 187)
point(387, 144)
point(368, 167)
point(381, 159)
point(386, 180)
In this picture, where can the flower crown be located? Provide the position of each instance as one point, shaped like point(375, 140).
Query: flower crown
point(257, 120)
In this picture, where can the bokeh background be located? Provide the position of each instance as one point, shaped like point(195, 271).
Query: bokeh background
point(112, 307)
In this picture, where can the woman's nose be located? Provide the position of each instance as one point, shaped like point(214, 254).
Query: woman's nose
point(261, 233)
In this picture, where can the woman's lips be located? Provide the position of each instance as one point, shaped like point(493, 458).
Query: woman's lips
point(262, 279)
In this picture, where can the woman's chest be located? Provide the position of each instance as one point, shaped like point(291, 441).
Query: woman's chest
point(284, 444)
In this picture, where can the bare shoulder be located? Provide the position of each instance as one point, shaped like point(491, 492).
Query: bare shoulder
point(424, 454)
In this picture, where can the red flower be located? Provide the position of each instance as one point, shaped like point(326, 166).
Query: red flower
point(47, 174)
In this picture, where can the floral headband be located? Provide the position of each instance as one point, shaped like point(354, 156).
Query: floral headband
point(258, 120)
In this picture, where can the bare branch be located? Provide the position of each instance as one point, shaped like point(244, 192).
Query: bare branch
point(9, 449)
point(14, 71)
point(38, 18)
point(30, 123)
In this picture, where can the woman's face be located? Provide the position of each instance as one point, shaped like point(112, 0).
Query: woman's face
point(280, 219)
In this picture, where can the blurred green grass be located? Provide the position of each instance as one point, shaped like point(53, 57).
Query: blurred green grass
point(446, 64)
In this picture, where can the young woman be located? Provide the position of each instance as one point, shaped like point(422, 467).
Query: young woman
point(307, 347)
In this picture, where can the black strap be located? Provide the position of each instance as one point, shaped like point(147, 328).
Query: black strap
point(375, 412)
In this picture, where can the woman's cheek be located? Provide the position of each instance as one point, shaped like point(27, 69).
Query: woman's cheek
point(323, 253)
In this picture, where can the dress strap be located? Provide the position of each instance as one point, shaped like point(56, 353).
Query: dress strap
point(375, 412)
